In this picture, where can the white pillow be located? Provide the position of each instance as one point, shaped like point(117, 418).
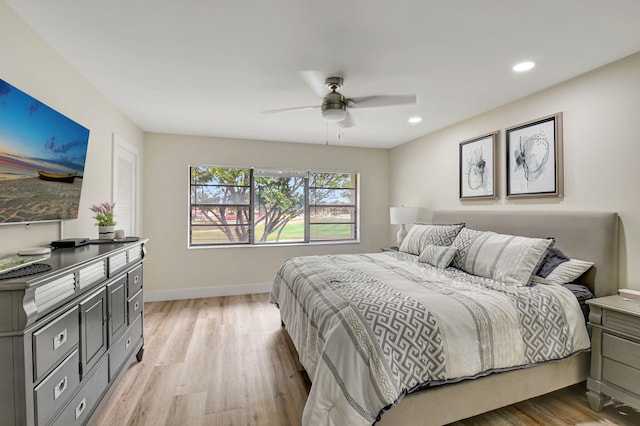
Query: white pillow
point(567, 272)
point(506, 258)
point(438, 256)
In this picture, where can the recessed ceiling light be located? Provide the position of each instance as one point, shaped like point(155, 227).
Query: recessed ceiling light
point(415, 120)
point(524, 66)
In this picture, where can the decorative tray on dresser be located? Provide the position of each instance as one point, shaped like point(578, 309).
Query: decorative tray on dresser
point(68, 332)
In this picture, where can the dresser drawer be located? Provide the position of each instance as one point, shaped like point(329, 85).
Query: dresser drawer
point(80, 407)
point(134, 307)
point(134, 280)
point(122, 350)
point(621, 375)
point(621, 350)
point(622, 322)
point(53, 341)
point(55, 390)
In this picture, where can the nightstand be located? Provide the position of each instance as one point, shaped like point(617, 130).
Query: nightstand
point(383, 249)
point(615, 351)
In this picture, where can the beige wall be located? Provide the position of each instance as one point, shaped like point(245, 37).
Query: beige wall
point(172, 270)
point(601, 147)
point(32, 66)
point(601, 114)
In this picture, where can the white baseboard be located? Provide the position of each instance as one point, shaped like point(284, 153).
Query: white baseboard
point(197, 293)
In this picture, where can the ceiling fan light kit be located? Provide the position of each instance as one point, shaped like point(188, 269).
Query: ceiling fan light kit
point(334, 107)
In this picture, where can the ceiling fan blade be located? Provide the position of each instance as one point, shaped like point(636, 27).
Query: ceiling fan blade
point(315, 80)
point(382, 100)
point(302, 108)
point(347, 122)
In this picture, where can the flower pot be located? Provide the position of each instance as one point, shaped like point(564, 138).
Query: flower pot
point(106, 232)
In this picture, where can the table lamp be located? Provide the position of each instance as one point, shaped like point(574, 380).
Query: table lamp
point(402, 216)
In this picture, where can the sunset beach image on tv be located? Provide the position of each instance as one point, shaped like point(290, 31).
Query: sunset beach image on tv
point(42, 159)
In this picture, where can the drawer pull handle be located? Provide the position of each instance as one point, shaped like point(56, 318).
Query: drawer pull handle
point(60, 388)
point(59, 339)
point(136, 305)
point(80, 408)
point(136, 279)
point(126, 345)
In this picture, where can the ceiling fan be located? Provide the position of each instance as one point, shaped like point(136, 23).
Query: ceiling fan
point(335, 107)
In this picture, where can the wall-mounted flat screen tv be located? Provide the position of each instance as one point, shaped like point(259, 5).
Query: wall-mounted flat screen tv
point(42, 158)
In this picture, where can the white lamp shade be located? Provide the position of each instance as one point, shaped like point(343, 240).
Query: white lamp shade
point(403, 215)
point(334, 114)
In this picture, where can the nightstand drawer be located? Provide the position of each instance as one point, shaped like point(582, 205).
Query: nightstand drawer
point(621, 375)
point(621, 322)
point(621, 350)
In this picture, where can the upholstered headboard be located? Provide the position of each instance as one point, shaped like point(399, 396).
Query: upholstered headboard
point(591, 236)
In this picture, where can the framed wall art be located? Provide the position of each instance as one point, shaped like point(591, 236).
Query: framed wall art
point(478, 171)
point(534, 158)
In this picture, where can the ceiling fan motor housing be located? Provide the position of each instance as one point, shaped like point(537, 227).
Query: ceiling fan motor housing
point(334, 107)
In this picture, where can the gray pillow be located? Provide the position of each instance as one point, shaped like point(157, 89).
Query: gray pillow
point(550, 261)
point(568, 272)
point(506, 258)
point(438, 256)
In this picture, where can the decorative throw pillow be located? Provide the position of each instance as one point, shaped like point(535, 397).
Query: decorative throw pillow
point(569, 271)
point(550, 261)
point(509, 259)
point(438, 256)
point(422, 234)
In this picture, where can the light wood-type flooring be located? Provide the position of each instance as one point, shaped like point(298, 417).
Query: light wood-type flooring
point(224, 361)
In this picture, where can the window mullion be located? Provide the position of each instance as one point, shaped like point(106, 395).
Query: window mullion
point(307, 213)
point(252, 212)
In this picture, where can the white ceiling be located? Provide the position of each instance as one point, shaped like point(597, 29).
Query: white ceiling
point(210, 67)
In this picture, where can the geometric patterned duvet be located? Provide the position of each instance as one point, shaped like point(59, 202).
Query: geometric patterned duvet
point(371, 328)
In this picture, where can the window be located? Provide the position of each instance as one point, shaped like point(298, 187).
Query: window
point(332, 206)
point(220, 205)
point(232, 206)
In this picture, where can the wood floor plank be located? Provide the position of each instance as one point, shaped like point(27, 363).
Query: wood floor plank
point(225, 361)
point(187, 409)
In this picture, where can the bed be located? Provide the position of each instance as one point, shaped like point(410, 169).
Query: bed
point(426, 347)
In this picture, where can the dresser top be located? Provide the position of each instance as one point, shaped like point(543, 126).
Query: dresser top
point(617, 303)
point(64, 259)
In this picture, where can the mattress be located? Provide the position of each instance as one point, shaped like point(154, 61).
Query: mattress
point(372, 328)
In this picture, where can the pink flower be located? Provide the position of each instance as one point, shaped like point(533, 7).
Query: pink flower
point(104, 213)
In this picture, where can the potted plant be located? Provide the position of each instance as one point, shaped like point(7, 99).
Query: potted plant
point(104, 219)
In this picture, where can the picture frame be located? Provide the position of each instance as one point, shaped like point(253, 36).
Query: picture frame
point(534, 163)
point(478, 171)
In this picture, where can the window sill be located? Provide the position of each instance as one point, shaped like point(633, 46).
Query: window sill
point(225, 246)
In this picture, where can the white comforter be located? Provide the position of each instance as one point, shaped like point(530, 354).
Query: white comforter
point(371, 328)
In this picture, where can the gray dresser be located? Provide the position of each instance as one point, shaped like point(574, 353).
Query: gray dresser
point(615, 351)
point(66, 334)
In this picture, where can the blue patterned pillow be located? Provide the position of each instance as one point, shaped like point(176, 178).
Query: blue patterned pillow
point(421, 234)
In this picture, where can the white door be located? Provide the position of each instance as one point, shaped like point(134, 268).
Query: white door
point(125, 185)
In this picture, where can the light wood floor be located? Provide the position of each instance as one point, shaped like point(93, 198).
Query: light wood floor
point(224, 361)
